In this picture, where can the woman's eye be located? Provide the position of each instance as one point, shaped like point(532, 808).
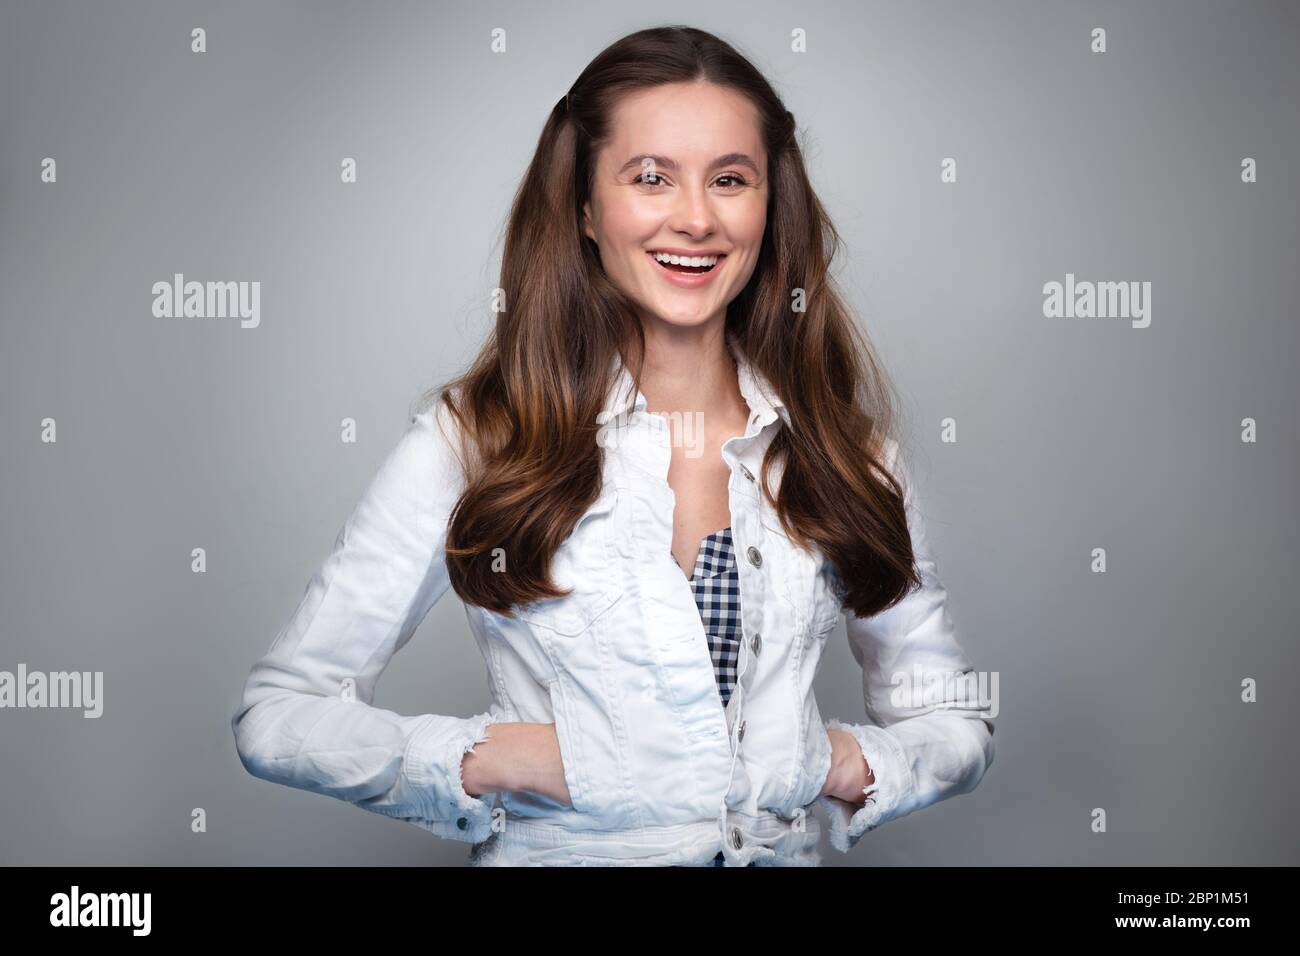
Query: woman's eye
point(652, 179)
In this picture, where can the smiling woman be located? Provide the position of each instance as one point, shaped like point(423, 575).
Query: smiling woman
point(707, 180)
point(656, 489)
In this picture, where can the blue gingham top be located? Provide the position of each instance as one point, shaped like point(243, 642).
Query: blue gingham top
point(716, 586)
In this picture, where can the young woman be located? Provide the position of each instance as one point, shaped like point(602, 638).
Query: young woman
point(665, 477)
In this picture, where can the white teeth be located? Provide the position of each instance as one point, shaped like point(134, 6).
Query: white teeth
point(690, 261)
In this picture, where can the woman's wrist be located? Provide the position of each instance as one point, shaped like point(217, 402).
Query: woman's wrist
point(516, 756)
point(850, 775)
point(488, 767)
point(475, 764)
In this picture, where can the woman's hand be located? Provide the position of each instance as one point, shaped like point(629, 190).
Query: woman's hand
point(525, 756)
point(849, 775)
point(516, 756)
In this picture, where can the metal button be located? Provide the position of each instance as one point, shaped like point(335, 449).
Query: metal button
point(463, 822)
point(756, 643)
point(746, 472)
point(736, 839)
point(755, 558)
point(741, 736)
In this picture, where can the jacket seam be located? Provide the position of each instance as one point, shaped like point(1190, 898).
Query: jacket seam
point(617, 720)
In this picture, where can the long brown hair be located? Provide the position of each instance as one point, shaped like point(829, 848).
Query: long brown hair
point(528, 405)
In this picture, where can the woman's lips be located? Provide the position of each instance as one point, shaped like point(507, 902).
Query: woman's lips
point(685, 280)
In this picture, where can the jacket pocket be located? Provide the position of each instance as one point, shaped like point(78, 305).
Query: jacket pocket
point(815, 750)
point(570, 751)
point(807, 583)
point(570, 616)
point(586, 566)
point(824, 603)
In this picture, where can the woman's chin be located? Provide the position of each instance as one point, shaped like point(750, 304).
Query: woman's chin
point(684, 318)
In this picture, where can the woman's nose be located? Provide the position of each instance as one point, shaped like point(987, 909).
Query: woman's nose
point(693, 212)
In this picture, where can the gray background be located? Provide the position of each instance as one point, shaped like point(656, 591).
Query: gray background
point(1119, 690)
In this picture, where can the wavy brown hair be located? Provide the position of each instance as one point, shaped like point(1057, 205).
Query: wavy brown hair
point(528, 405)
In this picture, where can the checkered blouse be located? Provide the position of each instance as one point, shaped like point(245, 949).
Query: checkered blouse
point(716, 585)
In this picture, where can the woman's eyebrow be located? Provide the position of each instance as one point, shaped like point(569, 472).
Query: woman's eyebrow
point(729, 159)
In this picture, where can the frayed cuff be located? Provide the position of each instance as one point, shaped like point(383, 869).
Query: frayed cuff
point(893, 781)
point(433, 763)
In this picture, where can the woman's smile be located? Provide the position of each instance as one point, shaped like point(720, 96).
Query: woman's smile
point(686, 277)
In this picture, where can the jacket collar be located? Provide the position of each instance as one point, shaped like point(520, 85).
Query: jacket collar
point(757, 390)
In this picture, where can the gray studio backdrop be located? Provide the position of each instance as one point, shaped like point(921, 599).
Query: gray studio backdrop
point(1120, 690)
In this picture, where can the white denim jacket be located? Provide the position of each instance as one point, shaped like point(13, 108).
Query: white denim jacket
point(659, 772)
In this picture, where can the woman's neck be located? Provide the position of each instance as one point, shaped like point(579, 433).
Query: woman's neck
point(689, 370)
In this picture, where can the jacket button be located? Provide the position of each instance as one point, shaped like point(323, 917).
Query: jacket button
point(741, 736)
point(746, 472)
point(462, 823)
point(736, 839)
point(755, 643)
point(755, 558)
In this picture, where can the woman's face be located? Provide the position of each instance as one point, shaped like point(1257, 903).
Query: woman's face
point(684, 170)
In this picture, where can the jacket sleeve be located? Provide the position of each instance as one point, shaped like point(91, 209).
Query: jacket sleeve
point(930, 734)
point(305, 718)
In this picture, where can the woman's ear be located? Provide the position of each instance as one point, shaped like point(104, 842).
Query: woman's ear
point(586, 221)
